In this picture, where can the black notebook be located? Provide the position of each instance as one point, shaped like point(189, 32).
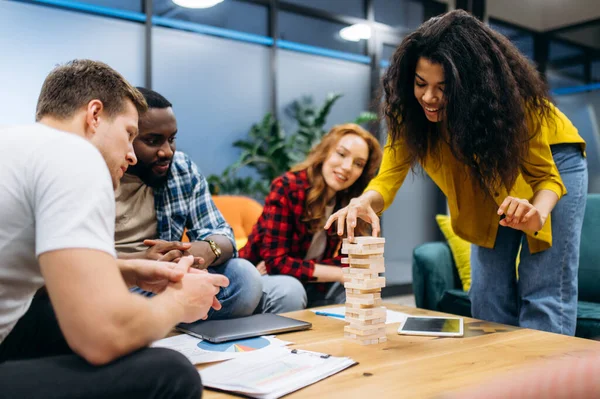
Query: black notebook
point(244, 327)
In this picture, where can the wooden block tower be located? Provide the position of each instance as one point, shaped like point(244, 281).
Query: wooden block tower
point(363, 290)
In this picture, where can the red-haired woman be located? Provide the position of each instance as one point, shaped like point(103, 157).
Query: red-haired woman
point(300, 257)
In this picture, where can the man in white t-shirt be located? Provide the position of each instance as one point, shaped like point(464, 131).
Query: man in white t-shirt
point(57, 210)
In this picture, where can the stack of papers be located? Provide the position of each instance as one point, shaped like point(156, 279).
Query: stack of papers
point(273, 373)
point(198, 351)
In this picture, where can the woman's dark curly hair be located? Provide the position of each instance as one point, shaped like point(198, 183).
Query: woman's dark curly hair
point(491, 94)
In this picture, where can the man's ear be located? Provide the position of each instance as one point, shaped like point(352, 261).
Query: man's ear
point(93, 113)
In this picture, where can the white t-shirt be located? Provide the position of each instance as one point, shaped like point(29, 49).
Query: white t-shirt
point(55, 193)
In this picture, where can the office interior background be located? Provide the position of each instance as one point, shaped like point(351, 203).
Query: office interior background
point(225, 67)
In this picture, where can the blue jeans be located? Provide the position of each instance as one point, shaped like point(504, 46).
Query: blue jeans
point(242, 295)
point(545, 295)
point(281, 294)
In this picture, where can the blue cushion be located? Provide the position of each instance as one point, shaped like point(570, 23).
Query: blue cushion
point(589, 254)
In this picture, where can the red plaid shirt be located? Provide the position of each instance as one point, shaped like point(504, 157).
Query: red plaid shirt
point(280, 238)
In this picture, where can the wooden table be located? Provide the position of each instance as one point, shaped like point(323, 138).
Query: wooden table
point(422, 367)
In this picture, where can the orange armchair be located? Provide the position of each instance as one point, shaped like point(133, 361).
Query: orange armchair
point(240, 212)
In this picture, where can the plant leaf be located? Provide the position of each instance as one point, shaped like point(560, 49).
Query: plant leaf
point(326, 108)
point(365, 117)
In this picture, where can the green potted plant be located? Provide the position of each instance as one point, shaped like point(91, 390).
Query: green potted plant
point(271, 152)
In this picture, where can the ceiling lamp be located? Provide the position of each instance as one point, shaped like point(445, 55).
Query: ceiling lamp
point(356, 32)
point(197, 3)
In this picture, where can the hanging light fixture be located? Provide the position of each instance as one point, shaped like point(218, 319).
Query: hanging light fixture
point(197, 3)
point(356, 32)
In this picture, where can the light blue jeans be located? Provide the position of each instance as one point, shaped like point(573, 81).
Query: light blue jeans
point(545, 296)
point(281, 294)
point(242, 295)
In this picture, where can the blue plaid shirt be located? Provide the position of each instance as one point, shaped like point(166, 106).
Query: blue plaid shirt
point(185, 201)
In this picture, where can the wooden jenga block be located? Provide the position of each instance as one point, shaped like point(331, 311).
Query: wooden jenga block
point(359, 247)
point(374, 249)
point(375, 321)
point(359, 299)
point(361, 271)
point(353, 318)
point(372, 291)
point(367, 268)
point(368, 313)
point(362, 244)
point(376, 262)
point(355, 261)
point(373, 339)
point(359, 280)
point(369, 257)
point(366, 327)
point(364, 280)
point(366, 333)
point(366, 284)
point(353, 291)
point(365, 240)
point(365, 313)
point(351, 305)
point(363, 276)
point(353, 272)
point(365, 321)
point(371, 295)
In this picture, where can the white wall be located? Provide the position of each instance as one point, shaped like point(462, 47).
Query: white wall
point(34, 39)
point(304, 74)
point(218, 88)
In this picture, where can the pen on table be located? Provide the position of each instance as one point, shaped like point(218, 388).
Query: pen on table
point(322, 356)
point(339, 316)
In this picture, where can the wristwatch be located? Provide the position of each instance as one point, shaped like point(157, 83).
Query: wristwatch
point(215, 248)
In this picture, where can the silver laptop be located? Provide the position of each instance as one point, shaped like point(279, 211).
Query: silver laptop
point(217, 331)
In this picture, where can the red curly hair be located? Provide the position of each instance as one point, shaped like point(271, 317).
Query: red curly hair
point(316, 201)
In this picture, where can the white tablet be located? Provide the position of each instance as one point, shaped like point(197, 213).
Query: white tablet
point(433, 326)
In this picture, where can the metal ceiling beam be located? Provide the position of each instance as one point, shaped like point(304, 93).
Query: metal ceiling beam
point(575, 26)
point(328, 16)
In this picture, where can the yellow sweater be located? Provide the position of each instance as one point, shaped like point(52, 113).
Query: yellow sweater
point(474, 213)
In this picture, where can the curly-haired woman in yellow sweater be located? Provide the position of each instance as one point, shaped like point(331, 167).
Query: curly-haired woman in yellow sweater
point(463, 103)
